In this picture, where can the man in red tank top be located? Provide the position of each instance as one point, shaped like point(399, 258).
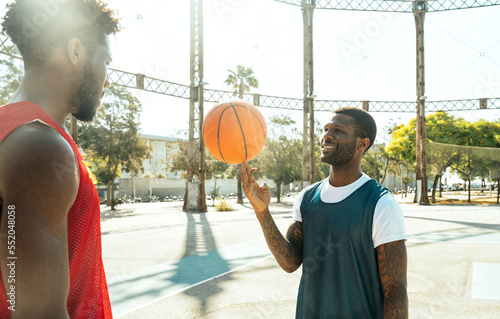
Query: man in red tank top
point(50, 237)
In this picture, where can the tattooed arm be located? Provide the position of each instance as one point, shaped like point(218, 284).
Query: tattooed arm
point(392, 271)
point(287, 250)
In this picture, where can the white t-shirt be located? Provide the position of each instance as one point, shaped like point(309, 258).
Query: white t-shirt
point(388, 219)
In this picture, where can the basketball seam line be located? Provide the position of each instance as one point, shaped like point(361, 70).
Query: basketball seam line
point(218, 133)
point(208, 116)
point(255, 115)
point(241, 128)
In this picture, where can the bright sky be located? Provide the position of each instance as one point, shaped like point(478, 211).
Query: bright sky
point(357, 55)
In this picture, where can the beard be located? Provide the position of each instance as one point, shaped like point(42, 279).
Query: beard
point(342, 155)
point(86, 96)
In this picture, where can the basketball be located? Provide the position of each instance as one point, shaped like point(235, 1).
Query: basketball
point(234, 131)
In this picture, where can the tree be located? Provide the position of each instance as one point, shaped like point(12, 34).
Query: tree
point(443, 132)
point(473, 160)
point(112, 141)
point(241, 81)
point(281, 158)
point(12, 74)
point(178, 154)
point(179, 163)
point(375, 163)
point(440, 127)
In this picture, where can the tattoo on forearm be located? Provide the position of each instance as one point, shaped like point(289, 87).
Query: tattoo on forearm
point(287, 251)
point(392, 262)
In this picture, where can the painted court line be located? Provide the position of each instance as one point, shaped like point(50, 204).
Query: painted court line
point(143, 287)
point(486, 281)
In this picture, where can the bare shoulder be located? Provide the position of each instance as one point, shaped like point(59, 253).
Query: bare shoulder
point(37, 169)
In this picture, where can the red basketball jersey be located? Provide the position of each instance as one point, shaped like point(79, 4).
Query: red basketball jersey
point(88, 293)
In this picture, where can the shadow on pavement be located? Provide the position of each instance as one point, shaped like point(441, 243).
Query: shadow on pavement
point(115, 214)
point(461, 234)
point(469, 224)
point(204, 260)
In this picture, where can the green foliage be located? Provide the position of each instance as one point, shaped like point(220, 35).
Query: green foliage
point(214, 166)
point(223, 205)
point(375, 163)
point(241, 80)
point(281, 158)
point(112, 141)
point(449, 130)
point(402, 144)
point(12, 73)
point(179, 154)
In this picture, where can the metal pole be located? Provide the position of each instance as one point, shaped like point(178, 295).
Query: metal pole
point(74, 129)
point(195, 199)
point(419, 10)
point(308, 138)
point(202, 199)
point(401, 170)
point(312, 139)
point(491, 182)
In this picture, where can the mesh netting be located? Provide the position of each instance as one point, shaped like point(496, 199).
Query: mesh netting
point(443, 153)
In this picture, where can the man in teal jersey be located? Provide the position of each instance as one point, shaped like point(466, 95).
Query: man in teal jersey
point(348, 231)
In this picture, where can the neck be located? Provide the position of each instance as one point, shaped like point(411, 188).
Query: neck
point(344, 175)
point(45, 88)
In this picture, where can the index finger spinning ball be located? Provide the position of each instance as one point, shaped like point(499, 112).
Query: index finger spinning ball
point(234, 131)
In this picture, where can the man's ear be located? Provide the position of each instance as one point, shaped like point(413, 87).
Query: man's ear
point(363, 144)
point(74, 50)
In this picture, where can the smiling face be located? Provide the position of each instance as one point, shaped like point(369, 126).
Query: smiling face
point(90, 90)
point(339, 142)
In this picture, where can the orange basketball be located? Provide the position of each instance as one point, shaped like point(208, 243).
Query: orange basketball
point(234, 131)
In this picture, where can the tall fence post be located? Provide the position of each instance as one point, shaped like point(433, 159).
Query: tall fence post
point(195, 199)
point(308, 137)
point(419, 10)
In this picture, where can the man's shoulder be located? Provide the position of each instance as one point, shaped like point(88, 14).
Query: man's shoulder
point(35, 139)
point(387, 200)
point(314, 186)
point(34, 146)
point(371, 182)
point(38, 168)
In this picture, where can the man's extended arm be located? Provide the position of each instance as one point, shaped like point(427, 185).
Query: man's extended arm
point(38, 185)
point(287, 250)
point(392, 264)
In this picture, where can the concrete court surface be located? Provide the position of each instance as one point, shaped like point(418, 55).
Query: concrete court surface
point(163, 263)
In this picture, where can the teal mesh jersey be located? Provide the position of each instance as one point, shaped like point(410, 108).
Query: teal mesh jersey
point(339, 265)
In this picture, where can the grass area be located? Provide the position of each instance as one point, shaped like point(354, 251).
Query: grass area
point(459, 198)
point(473, 200)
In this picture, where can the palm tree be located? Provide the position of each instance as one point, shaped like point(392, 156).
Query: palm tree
point(241, 81)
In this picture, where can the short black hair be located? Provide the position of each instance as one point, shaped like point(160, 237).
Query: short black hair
point(37, 27)
point(363, 122)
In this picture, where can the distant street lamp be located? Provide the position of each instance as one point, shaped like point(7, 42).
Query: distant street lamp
point(214, 192)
